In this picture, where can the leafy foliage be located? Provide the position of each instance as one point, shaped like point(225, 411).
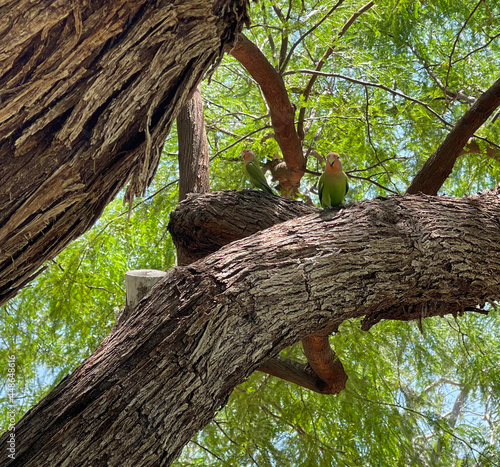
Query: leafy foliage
point(393, 85)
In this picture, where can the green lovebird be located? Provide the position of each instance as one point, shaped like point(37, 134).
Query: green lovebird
point(254, 174)
point(333, 183)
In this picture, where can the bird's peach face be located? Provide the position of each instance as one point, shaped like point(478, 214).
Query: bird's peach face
point(247, 155)
point(331, 158)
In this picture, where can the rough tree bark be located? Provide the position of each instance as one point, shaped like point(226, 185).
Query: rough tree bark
point(198, 227)
point(88, 94)
point(204, 328)
point(193, 148)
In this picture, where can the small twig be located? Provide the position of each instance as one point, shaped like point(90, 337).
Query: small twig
point(309, 31)
point(476, 50)
point(455, 45)
point(207, 450)
point(368, 179)
point(461, 96)
point(374, 85)
point(378, 163)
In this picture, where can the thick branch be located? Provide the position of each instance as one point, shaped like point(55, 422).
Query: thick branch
point(88, 95)
point(206, 327)
point(203, 224)
point(325, 363)
point(196, 235)
point(438, 167)
point(282, 111)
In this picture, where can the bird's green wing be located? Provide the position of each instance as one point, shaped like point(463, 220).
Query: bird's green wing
point(320, 190)
point(256, 177)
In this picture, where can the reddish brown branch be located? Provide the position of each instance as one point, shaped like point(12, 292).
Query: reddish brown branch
point(282, 111)
point(438, 167)
point(325, 363)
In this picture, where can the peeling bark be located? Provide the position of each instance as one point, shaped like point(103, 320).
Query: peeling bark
point(206, 327)
point(88, 95)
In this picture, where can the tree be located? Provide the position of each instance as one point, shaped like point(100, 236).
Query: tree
point(165, 373)
point(373, 129)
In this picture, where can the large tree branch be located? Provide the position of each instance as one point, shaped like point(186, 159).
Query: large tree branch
point(88, 96)
point(204, 328)
point(204, 224)
point(438, 167)
point(282, 111)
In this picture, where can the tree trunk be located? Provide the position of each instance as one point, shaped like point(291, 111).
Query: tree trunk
point(202, 330)
point(193, 148)
point(89, 91)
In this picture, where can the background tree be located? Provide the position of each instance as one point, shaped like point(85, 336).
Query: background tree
point(391, 86)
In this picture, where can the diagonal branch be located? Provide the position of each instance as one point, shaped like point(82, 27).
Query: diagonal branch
point(459, 95)
point(282, 111)
point(438, 167)
point(206, 327)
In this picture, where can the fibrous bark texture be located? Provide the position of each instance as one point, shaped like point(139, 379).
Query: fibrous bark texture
point(206, 223)
point(88, 94)
point(204, 328)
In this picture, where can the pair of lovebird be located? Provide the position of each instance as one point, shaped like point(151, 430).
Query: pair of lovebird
point(332, 185)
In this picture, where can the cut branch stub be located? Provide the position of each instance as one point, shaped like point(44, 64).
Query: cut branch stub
point(138, 283)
